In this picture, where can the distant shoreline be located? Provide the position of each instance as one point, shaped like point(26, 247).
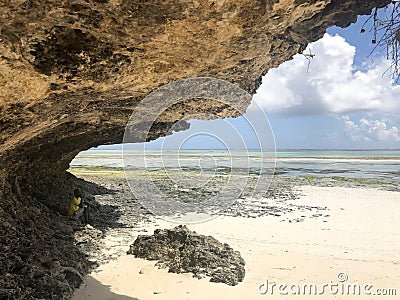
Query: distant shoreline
point(140, 146)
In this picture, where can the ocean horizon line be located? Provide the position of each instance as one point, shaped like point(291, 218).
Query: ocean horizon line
point(257, 149)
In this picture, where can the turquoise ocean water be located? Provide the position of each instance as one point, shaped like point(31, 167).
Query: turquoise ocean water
point(344, 163)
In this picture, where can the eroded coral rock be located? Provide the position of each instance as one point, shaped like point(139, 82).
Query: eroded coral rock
point(183, 250)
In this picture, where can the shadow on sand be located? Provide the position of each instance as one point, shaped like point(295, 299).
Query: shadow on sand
point(94, 289)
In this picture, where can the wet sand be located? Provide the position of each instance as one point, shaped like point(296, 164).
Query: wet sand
point(321, 232)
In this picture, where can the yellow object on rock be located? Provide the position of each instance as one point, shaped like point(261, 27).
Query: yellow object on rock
point(74, 205)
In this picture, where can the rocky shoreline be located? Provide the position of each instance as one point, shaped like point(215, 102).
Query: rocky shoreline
point(119, 218)
point(314, 233)
point(50, 260)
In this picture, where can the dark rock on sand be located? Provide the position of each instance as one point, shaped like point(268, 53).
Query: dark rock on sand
point(183, 250)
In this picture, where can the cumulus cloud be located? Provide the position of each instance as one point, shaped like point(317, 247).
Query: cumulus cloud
point(370, 130)
point(332, 85)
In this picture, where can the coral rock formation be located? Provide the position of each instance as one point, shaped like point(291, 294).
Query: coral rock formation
point(183, 251)
point(72, 72)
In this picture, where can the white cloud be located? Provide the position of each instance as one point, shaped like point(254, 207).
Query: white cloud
point(370, 130)
point(332, 85)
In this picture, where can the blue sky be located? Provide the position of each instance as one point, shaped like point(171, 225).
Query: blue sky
point(342, 100)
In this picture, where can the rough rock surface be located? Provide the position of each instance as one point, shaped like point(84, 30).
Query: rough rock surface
point(183, 251)
point(39, 258)
point(72, 72)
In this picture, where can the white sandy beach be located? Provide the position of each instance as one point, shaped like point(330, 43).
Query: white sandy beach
point(358, 234)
